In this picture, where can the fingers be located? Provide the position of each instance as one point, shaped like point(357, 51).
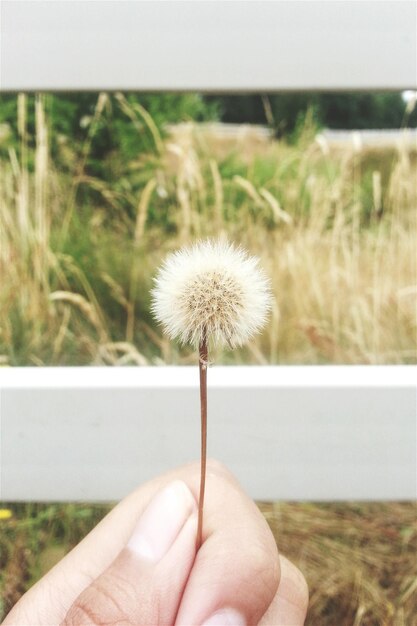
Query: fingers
point(236, 572)
point(289, 606)
point(48, 601)
point(144, 584)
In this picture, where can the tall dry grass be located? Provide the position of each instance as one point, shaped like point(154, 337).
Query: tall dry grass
point(358, 559)
point(335, 229)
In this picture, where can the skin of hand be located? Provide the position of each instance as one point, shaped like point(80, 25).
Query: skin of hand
point(139, 567)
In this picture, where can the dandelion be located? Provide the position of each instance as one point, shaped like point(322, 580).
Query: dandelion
point(211, 290)
point(211, 293)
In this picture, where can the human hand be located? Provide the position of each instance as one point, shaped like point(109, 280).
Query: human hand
point(139, 567)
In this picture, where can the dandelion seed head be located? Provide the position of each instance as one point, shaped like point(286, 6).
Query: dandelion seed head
point(212, 290)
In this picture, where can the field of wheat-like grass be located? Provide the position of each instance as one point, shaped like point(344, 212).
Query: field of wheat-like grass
point(334, 227)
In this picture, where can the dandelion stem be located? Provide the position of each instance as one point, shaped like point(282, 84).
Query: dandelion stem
point(203, 354)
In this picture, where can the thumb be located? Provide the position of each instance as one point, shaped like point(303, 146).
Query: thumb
point(144, 585)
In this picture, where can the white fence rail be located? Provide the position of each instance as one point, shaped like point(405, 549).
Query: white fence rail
point(309, 433)
point(206, 45)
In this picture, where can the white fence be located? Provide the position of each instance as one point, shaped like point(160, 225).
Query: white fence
point(309, 433)
point(207, 45)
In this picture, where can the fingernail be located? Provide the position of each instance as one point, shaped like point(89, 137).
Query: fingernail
point(161, 521)
point(226, 617)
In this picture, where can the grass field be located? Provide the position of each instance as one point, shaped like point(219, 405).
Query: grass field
point(359, 559)
point(335, 230)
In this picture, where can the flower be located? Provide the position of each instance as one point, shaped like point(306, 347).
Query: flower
point(5, 514)
point(211, 290)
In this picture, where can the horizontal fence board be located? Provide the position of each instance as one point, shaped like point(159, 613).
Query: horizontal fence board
point(205, 45)
point(293, 433)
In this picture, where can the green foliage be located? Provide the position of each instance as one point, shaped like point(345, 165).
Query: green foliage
point(74, 120)
point(346, 110)
point(363, 110)
point(71, 115)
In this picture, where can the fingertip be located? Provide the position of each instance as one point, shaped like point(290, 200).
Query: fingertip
point(146, 581)
point(161, 522)
point(226, 617)
point(290, 604)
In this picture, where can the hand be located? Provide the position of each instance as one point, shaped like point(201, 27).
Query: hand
point(139, 566)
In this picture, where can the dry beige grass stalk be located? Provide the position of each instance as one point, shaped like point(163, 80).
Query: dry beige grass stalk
point(344, 281)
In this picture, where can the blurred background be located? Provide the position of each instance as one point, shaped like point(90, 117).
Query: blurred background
point(96, 188)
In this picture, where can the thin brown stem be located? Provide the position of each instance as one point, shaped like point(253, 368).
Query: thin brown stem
point(203, 354)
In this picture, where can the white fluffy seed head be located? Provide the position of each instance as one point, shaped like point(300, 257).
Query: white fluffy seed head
point(211, 289)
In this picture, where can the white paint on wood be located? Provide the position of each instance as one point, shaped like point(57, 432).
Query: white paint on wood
point(295, 433)
point(205, 45)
